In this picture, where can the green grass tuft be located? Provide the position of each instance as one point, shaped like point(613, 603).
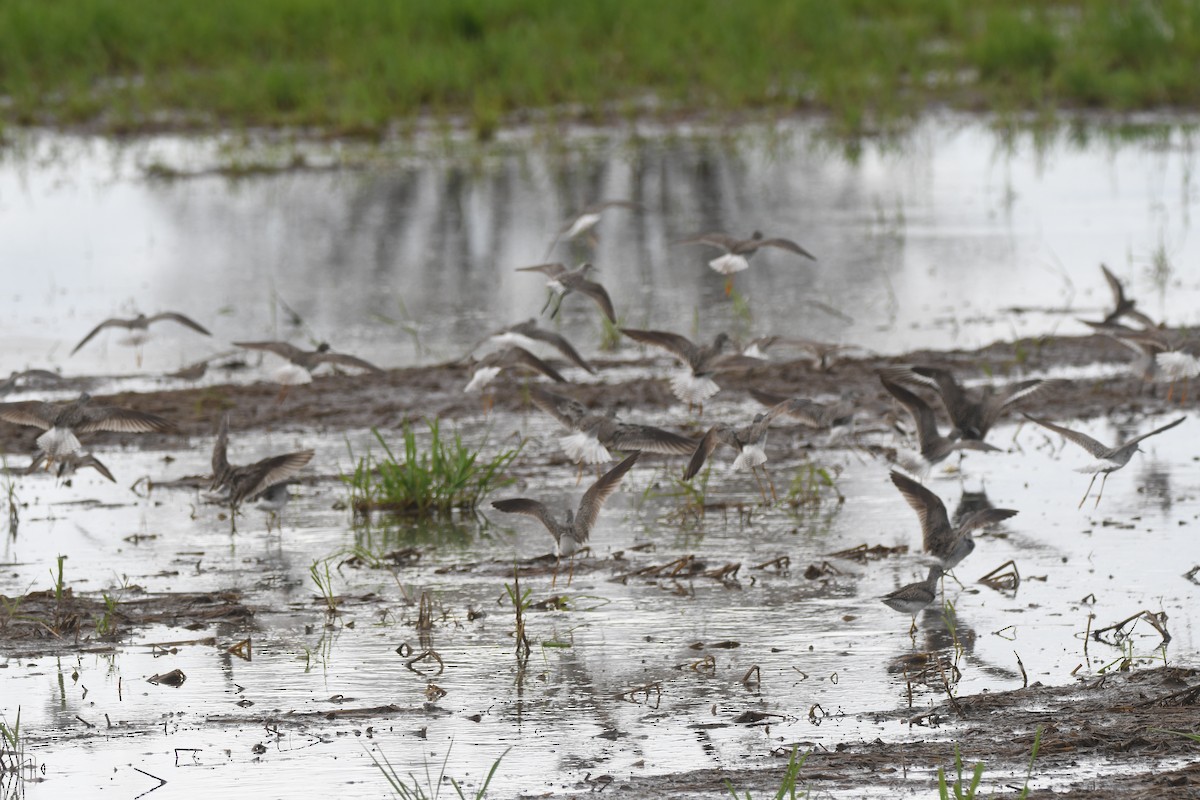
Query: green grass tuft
point(444, 476)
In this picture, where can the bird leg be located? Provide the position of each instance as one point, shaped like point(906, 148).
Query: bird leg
point(137, 356)
point(1170, 391)
point(571, 569)
point(762, 493)
point(579, 474)
point(549, 300)
point(729, 286)
point(912, 631)
point(554, 575)
point(771, 483)
point(1089, 489)
point(283, 393)
point(1101, 492)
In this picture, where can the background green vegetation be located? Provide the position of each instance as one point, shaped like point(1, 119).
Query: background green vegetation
point(360, 66)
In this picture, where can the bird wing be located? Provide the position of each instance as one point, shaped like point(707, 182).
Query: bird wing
point(785, 244)
point(594, 497)
point(599, 294)
point(806, 412)
point(984, 517)
point(1097, 449)
point(108, 323)
point(721, 240)
point(931, 511)
point(1118, 291)
point(1154, 432)
point(560, 343)
point(566, 410)
point(768, 398)
point(1009, 396)
point(91, 461)
point(530, 508)
point(519, 356)
point(257, 477)
point(121, 420)
point(628, 437)
point(951, 393)
point(680, 346)
point(283, 349)
point(922, 414)
point(181, 319)
point(549, 270)
point(346, 360)
point(34, 413)
point(630, 204)
point(717, 435)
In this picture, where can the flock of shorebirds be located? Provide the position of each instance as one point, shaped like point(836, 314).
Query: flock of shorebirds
point(591, 435)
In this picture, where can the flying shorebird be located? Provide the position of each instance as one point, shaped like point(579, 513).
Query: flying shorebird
point(914, 597)
point(593, 434)
point(738, 252)
point(973, 411)
point(252, 480)
point(139, 329)
point(572, 532)
point(1108, 459)
point(487, 368)
point(586, 220)
point(29, 378)
point(694, 384)
point(934, 448)
point(1122, 305)
point(527, 334)
point(272, 500)
point(62, 421)
point(302, 363)
point(749, 441)
point(946, 542)
point(69, 464)
point(563, 281)
point(837, 419)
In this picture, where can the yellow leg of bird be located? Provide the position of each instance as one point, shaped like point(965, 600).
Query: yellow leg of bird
point(1101, 492)
point(554, 575)
point(1170, 391)
point(579, 474)
point(1089, 490)
point(283, 393)
point(729, 286)
point(771, 483)
point(571, 570)
point(762, 493)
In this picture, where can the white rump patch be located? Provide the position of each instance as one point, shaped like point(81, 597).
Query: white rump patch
point(1178, 366)
point(581, 447)
point(692, 389)
point(516, 339)
point(482, 377)
point(291, 375)
point(751, 456)
point(59, 442)
point(585, 223)
point(729, 264)
point(135, 338)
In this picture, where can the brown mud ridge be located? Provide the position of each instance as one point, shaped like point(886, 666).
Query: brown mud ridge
point(1117, 727)
point(38, 623)
point(397, 396)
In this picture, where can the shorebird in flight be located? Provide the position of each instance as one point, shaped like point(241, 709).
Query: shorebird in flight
point(934, 448)
point(738, 252)
point(572, 532)
point(694, 384)
point(562, 282)
point(944, 541)
point(584, 223)
point(1108, 459)
point(62, 422)
point(139, 329)
point(238, 484)
point(527, 335)
point(302, 363)
point(973, 410)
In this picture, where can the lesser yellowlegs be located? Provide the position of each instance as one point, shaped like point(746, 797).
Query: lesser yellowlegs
point(63, 421)
point(738, 252)
point(248, 482)
point(69, 464)
point(694, 384)
point(139, 329)
point(1122, 305)
point(914, 597)
point(1108, 459)
point(527, 334)
point(562, 281)
point(572, 532)
point(302, 363)
point(584, 223)
point(934, 448)
point(946, 542)
point(593, 434)
point(749, 441)
point(974, 410)
point(836, 418)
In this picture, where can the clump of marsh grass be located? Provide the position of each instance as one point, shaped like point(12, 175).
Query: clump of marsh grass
point(411, 789)
point(445, 475)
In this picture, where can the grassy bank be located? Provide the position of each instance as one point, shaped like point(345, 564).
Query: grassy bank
point(365, 65)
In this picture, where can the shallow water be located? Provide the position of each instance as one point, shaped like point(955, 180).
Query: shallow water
point(922, 241)
point(923, 245)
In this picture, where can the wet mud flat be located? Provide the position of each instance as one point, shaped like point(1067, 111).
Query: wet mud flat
point(1100, 734)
